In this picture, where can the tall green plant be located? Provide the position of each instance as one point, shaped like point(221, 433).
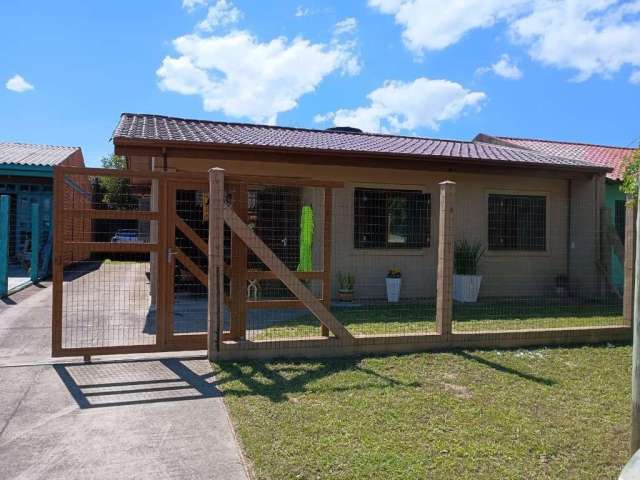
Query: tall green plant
point(630, 176)
point(466, 257)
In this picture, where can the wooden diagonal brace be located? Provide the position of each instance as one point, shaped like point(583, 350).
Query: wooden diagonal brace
point(285, 275)
point(192, 236)
point(192, 267)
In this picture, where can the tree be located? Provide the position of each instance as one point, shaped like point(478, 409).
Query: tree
point(630, 176)
point(113, 192)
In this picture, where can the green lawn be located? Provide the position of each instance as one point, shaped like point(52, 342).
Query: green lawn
point(534, 414)
point(412, 318)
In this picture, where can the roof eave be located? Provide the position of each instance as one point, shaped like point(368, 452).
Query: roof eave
point(121, 144)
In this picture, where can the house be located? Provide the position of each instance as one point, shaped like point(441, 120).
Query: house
point(536, 214)
point(26, 179)
point(608, 156)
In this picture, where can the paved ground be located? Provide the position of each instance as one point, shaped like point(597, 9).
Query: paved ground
point(151, 418)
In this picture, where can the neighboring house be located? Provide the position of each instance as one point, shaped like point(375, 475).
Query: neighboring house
point(608, 156)
point(537, 214)
point(26, 177)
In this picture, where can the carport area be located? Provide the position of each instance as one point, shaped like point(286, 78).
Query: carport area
point(150, 417)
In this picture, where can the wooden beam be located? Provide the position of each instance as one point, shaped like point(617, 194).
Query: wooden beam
point(192, 267)
point(58, 262)
point(216, 261)
point(285, 275)
point(112, 247)
point(326, 253)
point(446, 238)
point(191, 235)
point(113, 214)
point(239, 266)
point(629, 261)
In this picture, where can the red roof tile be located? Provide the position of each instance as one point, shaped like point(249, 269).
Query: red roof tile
point(133, 128)
point(613, 157)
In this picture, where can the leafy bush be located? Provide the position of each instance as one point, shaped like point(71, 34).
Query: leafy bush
point(630, 176)
point(346, 281)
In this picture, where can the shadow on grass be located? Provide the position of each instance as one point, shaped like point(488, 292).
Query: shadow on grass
point(276, 382)
point(504, 369)
point(278, 386)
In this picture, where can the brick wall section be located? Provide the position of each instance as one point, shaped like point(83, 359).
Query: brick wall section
point(76, 229)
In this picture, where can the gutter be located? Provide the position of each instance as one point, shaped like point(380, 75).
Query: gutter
point(24, 170)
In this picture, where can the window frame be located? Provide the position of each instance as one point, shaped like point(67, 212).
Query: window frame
point(515, 251)
point(391, 246)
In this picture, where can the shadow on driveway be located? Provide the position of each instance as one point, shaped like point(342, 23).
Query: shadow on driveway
point(118, 383)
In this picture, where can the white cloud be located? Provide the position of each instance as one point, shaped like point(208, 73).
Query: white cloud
point(348, 25)
point(243, 77)
point(593, 37)
point(504, 68)
point(635, 77)
point(434, 25)
point(303, 11)
point(18, 84)
point(221, 14)
point(190, 5)
point(399, 106)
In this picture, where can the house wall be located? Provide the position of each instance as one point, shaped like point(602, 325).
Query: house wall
point(504, 273)
point(78, 230)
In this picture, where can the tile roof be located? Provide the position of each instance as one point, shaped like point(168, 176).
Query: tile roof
point(613, 157)
point(35, 155)
point(143, 128)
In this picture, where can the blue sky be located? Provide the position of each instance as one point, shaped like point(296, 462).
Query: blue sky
point(531, 68)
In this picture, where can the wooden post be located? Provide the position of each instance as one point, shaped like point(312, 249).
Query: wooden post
point(635, 367)
point(629, 261)
point(4, 245)
point(446, 236)
point(216, 261)
point(239, 280)
point(35, 241)
point(326, 255)
point(58, 262)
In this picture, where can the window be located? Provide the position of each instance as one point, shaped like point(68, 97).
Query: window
point(391, 218)
point(517, 222)
point(620, 218)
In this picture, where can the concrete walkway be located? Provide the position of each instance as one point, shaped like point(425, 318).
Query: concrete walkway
point(151, 418)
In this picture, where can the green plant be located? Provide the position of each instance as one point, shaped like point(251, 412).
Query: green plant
point(346, 281)
point(394, 273)
point(466, 257)
point(630, 175)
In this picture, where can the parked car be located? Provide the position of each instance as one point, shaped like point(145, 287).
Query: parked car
point(128, 236)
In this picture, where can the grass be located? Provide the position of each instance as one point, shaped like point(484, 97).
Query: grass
point(412, 318)
point(535, 414)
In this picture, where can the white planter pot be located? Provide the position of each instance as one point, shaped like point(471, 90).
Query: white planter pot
point(393, 289)
point(466, 288)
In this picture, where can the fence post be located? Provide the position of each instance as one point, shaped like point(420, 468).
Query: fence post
point(35, 241)
point(239, 256)
point(446, 235)
point(635, 366)
point(216, 261)
point(629, 261)
point(4, 245)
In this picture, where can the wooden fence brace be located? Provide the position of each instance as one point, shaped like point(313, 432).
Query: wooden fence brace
point(446, 238)
point(4, 245)
point(629, 261)
point(216, 261)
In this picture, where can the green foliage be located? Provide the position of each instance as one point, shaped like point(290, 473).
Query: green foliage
point(113, 192)
point(630, 176)
point(466, 257)
point(346, 281)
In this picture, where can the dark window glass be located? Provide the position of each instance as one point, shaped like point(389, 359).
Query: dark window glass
point(517, 222)
point(621, 218)
point(391, 218)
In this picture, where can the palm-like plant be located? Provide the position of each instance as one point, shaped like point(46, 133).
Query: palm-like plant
point(466, 257)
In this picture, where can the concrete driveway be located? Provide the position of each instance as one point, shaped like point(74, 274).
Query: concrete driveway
point(155, 418)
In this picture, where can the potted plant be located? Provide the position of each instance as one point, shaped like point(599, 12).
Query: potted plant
point(466, 281)
point(346, 283)
point(393, 281)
